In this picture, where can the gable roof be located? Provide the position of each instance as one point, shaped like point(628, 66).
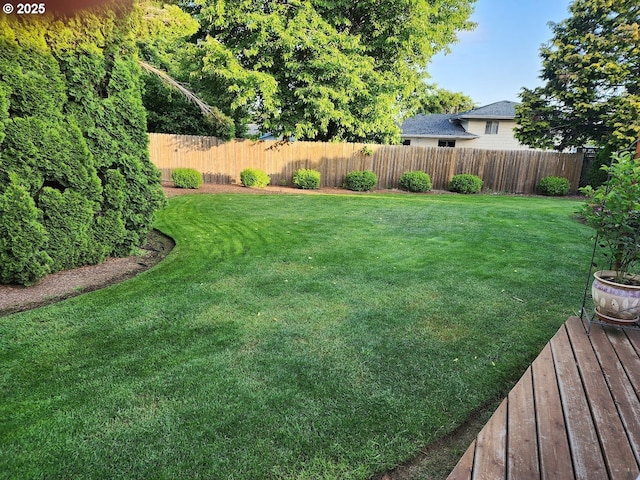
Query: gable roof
point(441, 125)
point(499, 110)
point(448, 125)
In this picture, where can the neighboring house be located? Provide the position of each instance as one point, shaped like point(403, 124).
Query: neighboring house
point(489, 127)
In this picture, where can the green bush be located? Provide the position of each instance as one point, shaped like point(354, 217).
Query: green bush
point(553, 186)
point(415, 181)
point(68, 217)
point(307, 179)
point(465, 183)
point(360, 181)
point(252, 177)
point(23, 239)
point(186, 178)
point(596, 175)
point(73, 137)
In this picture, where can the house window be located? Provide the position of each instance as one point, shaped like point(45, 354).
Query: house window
point(446, 143)
point(406, 142)
point(491, 128)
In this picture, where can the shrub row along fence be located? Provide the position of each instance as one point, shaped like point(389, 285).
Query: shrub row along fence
point(509, 171)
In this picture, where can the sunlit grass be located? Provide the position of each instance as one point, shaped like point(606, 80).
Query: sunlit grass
point(290, 337)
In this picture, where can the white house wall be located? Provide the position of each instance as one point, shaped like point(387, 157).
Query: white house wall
point(503, 140)
point(433, 142)
point(422, 142)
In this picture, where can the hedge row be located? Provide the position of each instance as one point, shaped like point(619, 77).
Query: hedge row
point(73, 146)
point(418, 181)
point(366, 180)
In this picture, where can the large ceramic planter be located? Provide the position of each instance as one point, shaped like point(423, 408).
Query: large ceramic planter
point(615, 302)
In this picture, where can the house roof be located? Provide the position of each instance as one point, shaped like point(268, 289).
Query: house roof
point(500, 110)
point(445, 125)
point(440, 125)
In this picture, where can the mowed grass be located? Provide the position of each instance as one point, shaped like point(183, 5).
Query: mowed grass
point(297, 337)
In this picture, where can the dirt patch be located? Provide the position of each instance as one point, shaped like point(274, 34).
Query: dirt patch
point(171, 191)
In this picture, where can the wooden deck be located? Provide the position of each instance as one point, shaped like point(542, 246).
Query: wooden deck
point(574, 414)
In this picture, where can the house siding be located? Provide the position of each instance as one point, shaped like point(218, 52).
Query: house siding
point(422, 142)
point(468, 128)
point(503, 140)
point(433, 142)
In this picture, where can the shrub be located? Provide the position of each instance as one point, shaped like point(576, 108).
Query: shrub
point(22, 238)
point(186, 178)
point(415, 181)
point(107, 105)
point(72, 127)
point(465, 183)
point(360, 181)
point(307, 179)
point(596, 175)
point(553, 186)
point(67, 217)
point(252, 177)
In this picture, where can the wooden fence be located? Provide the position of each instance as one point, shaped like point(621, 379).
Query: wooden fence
point(509, 171)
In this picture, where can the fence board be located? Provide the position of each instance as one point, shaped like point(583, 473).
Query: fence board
point(509, 171)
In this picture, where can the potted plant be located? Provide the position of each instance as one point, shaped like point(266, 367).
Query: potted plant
point(613, 209)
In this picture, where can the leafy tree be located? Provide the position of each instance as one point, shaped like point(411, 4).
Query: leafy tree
point(161, 37)
point(431, 99)
point(163, 32)
point(592, 90)
point(168, 111)
point(318, 69)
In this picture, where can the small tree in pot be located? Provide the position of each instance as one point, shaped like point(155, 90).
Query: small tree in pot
point(613, 209)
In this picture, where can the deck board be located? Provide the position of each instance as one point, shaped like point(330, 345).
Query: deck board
point(574, 414)
point(634, 339)
point(615, 448)
point(490, 457)
point(552, 432)
point(629, 356)
point(588, 463)
point(521, 425)
point(464, 468)
point(624, 395)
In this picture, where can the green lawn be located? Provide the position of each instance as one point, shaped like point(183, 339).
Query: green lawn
point(294, 336)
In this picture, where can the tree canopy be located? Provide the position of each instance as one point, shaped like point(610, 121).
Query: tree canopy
point(313, 69)
point(432, 99)
point(592, 72)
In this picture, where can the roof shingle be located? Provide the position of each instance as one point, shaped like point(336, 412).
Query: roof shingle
point(503, 110)
point(437, 124)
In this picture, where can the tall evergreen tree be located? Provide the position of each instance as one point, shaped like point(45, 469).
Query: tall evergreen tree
point(592, 72)
point(75, 137)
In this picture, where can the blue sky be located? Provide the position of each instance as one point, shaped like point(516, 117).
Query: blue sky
point(499, 57)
